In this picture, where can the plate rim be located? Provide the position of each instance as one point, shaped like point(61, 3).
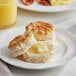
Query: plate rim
point(67, 7)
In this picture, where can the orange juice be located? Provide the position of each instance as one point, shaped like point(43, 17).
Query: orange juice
point(8, 13)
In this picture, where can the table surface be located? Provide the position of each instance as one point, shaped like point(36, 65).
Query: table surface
point(25, 17)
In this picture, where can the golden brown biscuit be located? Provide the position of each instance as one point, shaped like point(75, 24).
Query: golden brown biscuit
point(38, 53)
point(21, 44)
point(42, 31)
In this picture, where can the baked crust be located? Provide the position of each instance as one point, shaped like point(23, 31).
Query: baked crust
point(19, 39)
point(21, 44)
point(38, 53)
point(42, 31)
point(41, 28)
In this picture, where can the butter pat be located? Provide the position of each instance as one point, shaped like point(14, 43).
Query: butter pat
point(40, 47)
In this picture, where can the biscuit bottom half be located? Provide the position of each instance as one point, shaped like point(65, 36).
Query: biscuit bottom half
point(38, 53)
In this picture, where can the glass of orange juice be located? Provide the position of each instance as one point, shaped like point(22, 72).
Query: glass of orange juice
point(8, 13)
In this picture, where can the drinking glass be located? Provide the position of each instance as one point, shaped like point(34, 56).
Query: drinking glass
point(8, 13)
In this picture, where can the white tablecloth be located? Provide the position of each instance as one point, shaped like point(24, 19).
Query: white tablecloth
point(25, 17)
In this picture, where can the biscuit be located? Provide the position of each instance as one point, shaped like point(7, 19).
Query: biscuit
point(21, 44)
point(42, 31)
point(38, 53)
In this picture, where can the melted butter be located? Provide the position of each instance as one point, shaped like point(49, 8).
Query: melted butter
point(40, 47)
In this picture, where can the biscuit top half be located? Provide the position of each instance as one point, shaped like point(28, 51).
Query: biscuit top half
point(40, 27)
point(18, 40)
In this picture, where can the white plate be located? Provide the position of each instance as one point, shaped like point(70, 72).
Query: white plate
point(64, 50)
point(40, 8)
